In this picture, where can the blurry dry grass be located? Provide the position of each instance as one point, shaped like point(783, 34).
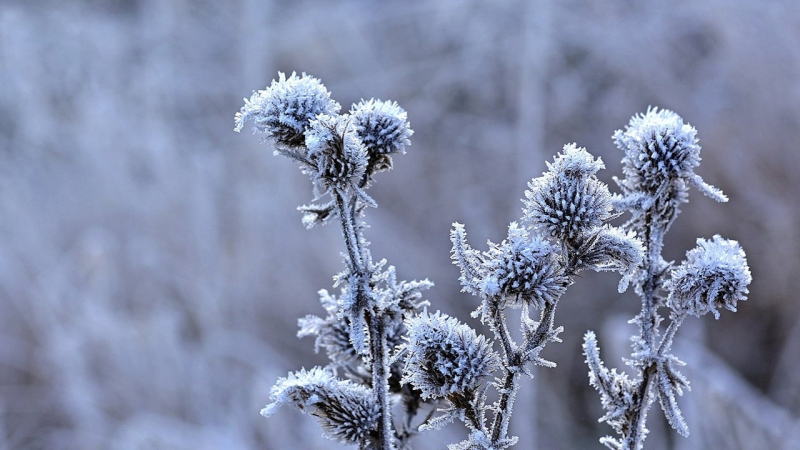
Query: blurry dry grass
point(153, 266)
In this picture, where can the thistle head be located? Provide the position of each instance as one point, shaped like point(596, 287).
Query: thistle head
point(661, 153)
point(347, 411)
point(446, 357)
point(335, 151)
point(715, 275)
point(568, 199)
point(286, 107)
point(382, 126)
point(523, 269)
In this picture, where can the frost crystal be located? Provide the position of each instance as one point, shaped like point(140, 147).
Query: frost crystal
point(347, 411)
point(335, 150)
point(446, 357)
point(523, 269)
point(714, 275)
point(568, 199)
point(382, 126)
point(285, 108)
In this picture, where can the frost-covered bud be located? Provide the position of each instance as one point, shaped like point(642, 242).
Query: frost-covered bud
point(568, 199)
point(347, 411)
point(714, 275)
point(335, 150)
point(286, 107)
point(382, 126)
point(612, 248)
point(446, 357)
point(523, 269)
point(661, 149)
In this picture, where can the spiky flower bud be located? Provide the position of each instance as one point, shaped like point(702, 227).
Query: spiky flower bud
point(336, 152)
point(446, 357)
point(347, 411)
point(568, 199)
point(382, 126)
point(660, 151)
point(714, 275)
point(286, 107)
point(523, 269)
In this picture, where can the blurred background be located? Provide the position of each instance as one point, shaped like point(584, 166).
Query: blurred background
point(153, 266)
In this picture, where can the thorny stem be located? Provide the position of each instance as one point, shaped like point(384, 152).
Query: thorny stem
point(377, 326)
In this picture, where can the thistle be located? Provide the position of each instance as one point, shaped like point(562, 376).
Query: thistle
point(661, 153)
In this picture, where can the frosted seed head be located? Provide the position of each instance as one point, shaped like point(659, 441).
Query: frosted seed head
point(446, 357)
point(658, 147)
point(347, 411)
point(714, 275)
point(523, 269)
point(286, 107)
point(382, 126)
point(568, 199)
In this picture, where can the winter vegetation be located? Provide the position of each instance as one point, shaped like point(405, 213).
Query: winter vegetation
point(390, 353)
point(153, 270)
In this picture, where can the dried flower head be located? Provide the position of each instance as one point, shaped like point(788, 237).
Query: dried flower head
point(714, 275)
point(335, 151)
point(568, 199)
point(523, 269)
point(286, 107)
point(347, 411)
point(446, 357)
point(661, 151)
point(382, 126)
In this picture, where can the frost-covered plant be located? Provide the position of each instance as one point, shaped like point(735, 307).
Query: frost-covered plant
point(661, 153)
point(564, 233)
point(390, 353)
point(364, 326)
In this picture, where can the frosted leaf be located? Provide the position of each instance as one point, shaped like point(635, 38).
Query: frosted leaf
point(382, 126)
point(523, 269)
point(446, 357)
point(346, 411)
point(714, 275)
point(286, 107)
point(331, 333)
point(568, 199)
point(467, 259)
point(670, 382)
point(338, 157)
point(612, 248)
point(616, 390)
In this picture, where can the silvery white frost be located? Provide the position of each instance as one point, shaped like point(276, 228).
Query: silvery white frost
point(395, 371)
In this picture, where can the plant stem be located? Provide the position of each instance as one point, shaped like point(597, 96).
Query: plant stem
point(643, 400)
point(359, 284)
